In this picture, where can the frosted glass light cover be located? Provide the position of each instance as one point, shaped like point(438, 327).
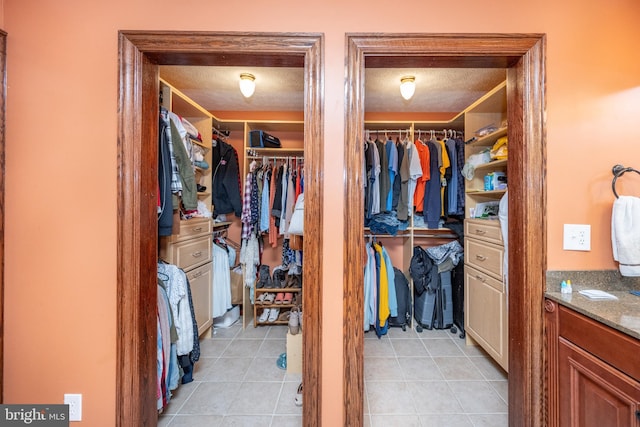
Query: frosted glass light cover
point(407, 87)
point(247, 84)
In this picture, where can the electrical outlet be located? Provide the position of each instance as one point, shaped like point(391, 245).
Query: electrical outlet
point(75, 406)
point(577, 237)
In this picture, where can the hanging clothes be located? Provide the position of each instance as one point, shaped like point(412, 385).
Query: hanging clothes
point(432, 204)
point(165, 168)
point(225, 185)
point(391, 152)
point(177, 292)
point(221, 281)
point(415, 172)
point(379, 289)
point(424, 157)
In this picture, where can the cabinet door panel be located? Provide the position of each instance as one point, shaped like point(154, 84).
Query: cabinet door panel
point(200, 280)
point(594, 394)
point(485, 313)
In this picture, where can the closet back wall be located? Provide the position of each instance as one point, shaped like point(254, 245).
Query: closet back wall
point(61, 162)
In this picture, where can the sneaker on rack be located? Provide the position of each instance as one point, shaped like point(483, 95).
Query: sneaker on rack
point(273, 315)
point(264, 316)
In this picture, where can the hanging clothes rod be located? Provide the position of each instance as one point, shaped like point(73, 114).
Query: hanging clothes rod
point(397, 130)
point(266, 157)
point(444, 131)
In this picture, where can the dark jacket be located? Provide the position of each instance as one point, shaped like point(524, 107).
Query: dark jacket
point(226, 180)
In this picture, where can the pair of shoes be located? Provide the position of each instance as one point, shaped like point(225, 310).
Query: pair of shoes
point(294, 321)
point(264, 277)
point(273, 315)
point(293, 281)
point(284, 316)
point(201, 188)
point(297, 298)
point(265, 298)
point(264, 316)
point(298, 399)
point(279, 277)
point(283, 298)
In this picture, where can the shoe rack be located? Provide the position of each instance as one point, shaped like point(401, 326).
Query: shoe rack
point(268, 298)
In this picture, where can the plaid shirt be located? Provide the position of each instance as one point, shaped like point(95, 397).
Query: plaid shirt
point(176, 183)
point(246, 208)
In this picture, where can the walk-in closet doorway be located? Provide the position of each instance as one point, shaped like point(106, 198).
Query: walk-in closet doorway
point(523, 56)
point(140, 54)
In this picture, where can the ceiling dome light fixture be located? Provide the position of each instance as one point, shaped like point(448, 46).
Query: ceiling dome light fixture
point(247, 84)
point(407, 87)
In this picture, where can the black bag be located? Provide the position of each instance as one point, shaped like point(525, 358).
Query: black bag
point(261, 139)
point(403, 297)
point(420, 269)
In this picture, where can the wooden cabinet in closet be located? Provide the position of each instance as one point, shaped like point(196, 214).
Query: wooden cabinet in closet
point(190, 248)
point(486, 308)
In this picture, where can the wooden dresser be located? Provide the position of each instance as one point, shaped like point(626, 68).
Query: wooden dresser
point(486, 313)
point(191, 250)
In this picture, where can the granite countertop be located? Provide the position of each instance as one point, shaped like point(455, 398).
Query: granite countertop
point(622, 314)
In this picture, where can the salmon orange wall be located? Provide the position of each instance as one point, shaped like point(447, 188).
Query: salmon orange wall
point(61, 164)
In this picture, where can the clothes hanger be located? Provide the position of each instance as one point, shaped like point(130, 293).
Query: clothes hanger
point(164, 277)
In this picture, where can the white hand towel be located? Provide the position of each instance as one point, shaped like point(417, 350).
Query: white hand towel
point(625, 234)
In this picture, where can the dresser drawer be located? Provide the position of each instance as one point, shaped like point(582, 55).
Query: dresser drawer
point(190, 253)
point(484, 256)
point(484, 229)
point(190, 228)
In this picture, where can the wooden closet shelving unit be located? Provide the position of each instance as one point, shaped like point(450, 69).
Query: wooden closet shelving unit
point(486, 309)
point(291, 135)
point(190, 245)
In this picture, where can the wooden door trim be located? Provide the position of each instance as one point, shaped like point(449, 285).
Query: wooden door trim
point(525, 56)
point(140, 53)
point(3, 101)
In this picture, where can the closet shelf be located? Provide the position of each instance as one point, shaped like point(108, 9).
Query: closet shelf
point(486, 193)
point(492, 165)
point(400, 233)
point(200, 143)
point(488, 140)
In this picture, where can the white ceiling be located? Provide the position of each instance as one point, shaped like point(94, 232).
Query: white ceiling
point(281, 89)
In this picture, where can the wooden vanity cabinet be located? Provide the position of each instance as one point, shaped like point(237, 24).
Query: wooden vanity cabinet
point(593, 372)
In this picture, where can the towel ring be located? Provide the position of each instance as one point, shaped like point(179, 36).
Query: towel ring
point(618, 171)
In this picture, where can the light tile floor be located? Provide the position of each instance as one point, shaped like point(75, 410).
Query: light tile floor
point(431, 379)
point(411, 379)
point(237, 383)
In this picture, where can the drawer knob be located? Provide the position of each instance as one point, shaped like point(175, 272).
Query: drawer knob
point(481, 257)
point(480, 278)
point(196, 229)
point(479, 231)
point(198, 274)
point(197, 254)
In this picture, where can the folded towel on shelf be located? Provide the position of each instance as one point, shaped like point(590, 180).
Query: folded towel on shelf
point(625, 234)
